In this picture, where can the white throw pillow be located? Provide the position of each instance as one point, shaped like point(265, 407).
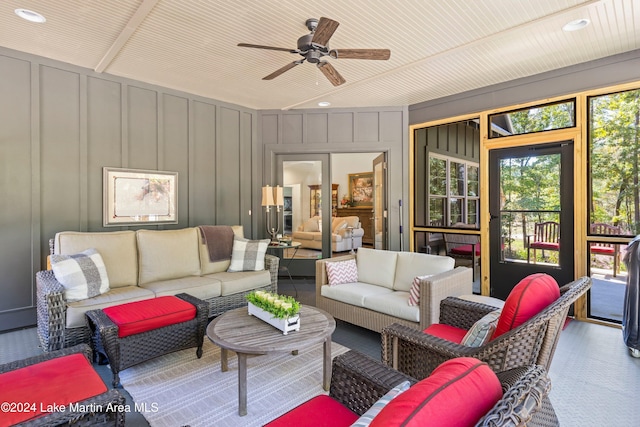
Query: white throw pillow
point(248, 255)
point(481, 331)
point(414, 292)
point(83, 275)
point(366, 418)
point(342, 272)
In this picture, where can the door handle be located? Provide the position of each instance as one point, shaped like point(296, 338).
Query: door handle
point(492, 217)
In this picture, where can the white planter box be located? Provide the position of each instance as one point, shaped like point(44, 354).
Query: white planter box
point(285, 325)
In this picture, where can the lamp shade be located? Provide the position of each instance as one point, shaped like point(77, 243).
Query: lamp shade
point(278, 195)
point(267, 196)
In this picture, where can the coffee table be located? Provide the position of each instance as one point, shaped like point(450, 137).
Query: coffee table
point(247, 335)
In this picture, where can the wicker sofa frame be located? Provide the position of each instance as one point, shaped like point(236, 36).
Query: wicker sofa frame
point(532, 343)
point(51, 308)
point(133, 349)
point(358, 381)
point(111, 399)
point(433, 288)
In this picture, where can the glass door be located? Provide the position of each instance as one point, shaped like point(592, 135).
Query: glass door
point(531, 206)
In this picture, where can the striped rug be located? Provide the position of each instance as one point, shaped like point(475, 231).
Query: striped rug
point(180, 390)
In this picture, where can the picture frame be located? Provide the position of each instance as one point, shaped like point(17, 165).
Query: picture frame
point(137, 196)
point(361, 188)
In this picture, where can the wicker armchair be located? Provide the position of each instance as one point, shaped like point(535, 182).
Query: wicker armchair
point(358, 381)
point(105, 409)
point(533, 343)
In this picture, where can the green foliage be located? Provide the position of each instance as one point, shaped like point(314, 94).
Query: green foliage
point(280, 306)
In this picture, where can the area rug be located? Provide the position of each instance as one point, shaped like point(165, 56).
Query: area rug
point(179, 390)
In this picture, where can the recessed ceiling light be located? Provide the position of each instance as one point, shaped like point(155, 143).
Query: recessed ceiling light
point(324, 103)
point(578, 24)
point(30, 15)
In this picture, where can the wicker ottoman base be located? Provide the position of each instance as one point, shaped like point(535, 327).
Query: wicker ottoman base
point(133, 349)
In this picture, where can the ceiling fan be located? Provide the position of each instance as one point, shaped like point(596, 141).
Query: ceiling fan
point(315, 45)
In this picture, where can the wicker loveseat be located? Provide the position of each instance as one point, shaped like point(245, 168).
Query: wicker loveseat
point(144, 264)
point(358, 382)
point(379, 296)
point(533, 342)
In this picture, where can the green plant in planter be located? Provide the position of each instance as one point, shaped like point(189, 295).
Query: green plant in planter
point(280, 306)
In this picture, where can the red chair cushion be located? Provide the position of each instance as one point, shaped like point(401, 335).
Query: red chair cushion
point(456, 394)
point(47, 387)
point(528, 298)
point(147, 315)
point(320, 411)
point(446, 332)
point(602, 250)
point(545, 245)
point(465, 250)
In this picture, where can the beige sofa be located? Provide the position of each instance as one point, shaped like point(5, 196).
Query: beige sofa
point(143, 264)
point(380, 296)
point(346, 233)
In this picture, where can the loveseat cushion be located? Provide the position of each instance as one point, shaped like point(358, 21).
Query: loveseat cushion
point(377, 267)
point(528, 298)
point(77, 309)
point(142, 316)
point(446, 332)
point(168, 254)
point(353, 293)
point(394, 304)
point(204, 287)
point(320, 411)
point(412, 264)
point(118, 250)
point(457, 393)
point(48, 384)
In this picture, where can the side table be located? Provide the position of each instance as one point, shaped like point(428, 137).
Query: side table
point(278, 250)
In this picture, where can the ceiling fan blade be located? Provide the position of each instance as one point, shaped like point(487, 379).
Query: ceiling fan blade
point(325, 29)
point(381, 54)
point(282, 70)
point(331, 73)
point(257, 46)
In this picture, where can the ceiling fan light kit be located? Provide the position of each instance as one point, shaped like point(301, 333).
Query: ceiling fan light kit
point(315, 45)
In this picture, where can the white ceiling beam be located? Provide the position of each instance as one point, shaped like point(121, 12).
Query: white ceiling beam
point(138, 17)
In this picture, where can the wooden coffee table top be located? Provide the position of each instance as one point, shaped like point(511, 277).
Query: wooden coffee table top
point(235, 330)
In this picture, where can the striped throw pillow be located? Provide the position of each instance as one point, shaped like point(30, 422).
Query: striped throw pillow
point(82, 275)
point(414, 292)
point(342, 272)
point(366, 418)
point(481, 331)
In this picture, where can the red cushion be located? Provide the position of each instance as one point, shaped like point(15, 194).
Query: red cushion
point(465, 250)
point(320, 411)
point(446, 332)
point(147, 315)
point(528, 298)
point(47, 386)
point(545, 245)
point(457, 394)
point(603, 250)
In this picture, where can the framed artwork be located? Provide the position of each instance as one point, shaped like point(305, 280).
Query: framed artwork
point(135, 196)
point(361, 188)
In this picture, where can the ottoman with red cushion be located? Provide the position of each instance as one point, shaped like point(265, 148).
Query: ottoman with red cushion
point(132, 333)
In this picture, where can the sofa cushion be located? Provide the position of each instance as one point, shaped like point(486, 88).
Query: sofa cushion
point(118, 250)
point(142, 316)
point(242, 281)
point(75, 310)
point(528, 298)
point(394, 304)
point(353, 293)
point(377, 267)
point(203, 287)
point(83, 275)
point(412, 264)
point(319, 411)
point(340, 272)
point(248, 255)
point(366, 418)
point(48, 384)
point(457, 393)
point(338, 224)
point(206, 265)
point(304, 235)
point(482, 330)
point(312, 224)
point(168, 254)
